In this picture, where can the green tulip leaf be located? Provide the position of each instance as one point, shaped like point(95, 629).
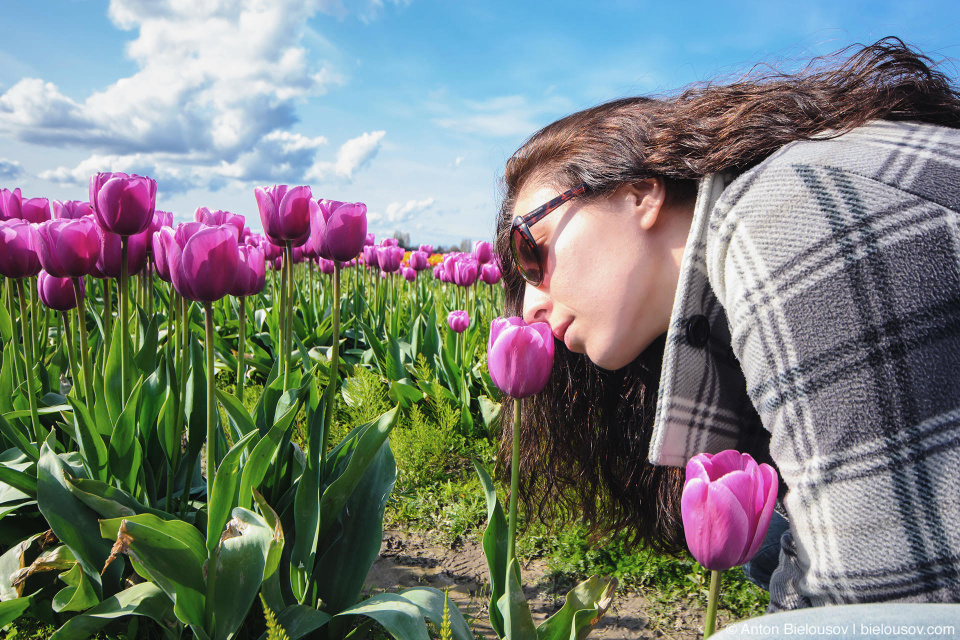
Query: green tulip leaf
point(92, 448)
point(494, 548)
point(10, 610)
point(143, 599)
point(78, 595)
point(512, 605)
point(225, 491)
point(584, 606)
point(124, 452)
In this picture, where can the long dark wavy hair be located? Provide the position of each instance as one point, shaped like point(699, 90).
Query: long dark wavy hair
point(585, 439)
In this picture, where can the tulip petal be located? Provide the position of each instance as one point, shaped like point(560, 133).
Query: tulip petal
point(768, 488)
point(209, 262)
point(714, 524)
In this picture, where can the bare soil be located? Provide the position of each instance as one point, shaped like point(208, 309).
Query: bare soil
point(412, 559)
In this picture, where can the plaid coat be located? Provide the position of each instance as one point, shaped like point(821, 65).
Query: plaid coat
point(817, 321)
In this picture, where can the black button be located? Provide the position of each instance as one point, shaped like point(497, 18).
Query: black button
point(698, 331)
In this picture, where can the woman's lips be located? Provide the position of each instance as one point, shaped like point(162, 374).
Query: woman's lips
point(561, 331)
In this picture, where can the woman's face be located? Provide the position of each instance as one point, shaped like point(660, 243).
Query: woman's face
point(611, 269)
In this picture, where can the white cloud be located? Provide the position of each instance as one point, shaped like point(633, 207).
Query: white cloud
point(355, 154)
point(10, 169)
point(501, 116)
point(401, 212)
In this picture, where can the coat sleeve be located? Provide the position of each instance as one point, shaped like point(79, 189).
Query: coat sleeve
point(838, 265)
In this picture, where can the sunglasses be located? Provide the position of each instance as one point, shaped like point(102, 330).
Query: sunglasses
point(526, 253)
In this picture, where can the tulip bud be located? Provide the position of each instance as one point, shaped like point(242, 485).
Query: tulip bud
point(11, 204)
point(370, 256)
point(726, 505)
point(110, 254)
point(465, 271)
point(419, 260)
point(326, 266)
point(458, 321)
point(123, 204)
point(58, 293)
point(340, 231)
point(251, 272)
point(426, 248)
point(389, 257)
point(68, 248)
point(409, 274)
point(18, 252)
point(490, 273)
point(286, 213)
point(204, 261)
point(520, 356)
point(483, 251)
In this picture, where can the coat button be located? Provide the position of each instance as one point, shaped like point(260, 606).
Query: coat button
point(698, 331)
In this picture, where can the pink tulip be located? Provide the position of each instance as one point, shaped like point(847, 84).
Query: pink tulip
point(426, 248)
point(727, 503)
point(490, 273)
point(370, 240)
point(160, 245)
point(251, 272)
point(370, 256)
point(326, 266)
point(408, 274)
point(389, 257)
point(68, 248)
point(216, 218)
point(389, 242)
point(11, 204)
point(58, 293)
point(18, 249)
point(108, 264)
point(286, 213)
point(419, 260)
point(70, 209)
point(123, 204)
point(340, 231)
point(458, 321)
point(465, 271)
point(438, 272)
point(204, 261)
point(520, 356)
point(482, 251)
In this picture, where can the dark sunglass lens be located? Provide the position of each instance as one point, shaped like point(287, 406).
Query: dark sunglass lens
point(526, 256)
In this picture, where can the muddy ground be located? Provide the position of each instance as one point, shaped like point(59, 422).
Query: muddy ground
point(414, 559)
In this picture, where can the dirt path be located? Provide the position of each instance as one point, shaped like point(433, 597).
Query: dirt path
point(413, 559)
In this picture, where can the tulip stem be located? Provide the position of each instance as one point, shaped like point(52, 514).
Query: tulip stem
point(710, 623)
point(107, 313)
point(211, 401)
point(514, 485)
point(71, 348)
point(181, 401)
point(241, 347)
point(288, 335)
point(13, 325)
point(124, 315)
point(84, 351)
point(334, 367)
point(28, 353)
point(282, 326)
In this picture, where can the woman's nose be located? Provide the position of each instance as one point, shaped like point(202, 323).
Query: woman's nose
point(536, 305)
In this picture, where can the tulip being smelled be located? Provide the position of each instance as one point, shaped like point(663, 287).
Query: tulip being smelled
point(726, 505)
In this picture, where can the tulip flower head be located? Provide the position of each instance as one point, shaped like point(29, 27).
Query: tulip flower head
point(35, 210)
point(109, 261)
point(490, 273)
point(251, 272)
point(204, 261)
point(340, 230)
point(426, 248)
point(18, 252)
point(123, 204)
point(465, 270)
point(70, 209)
point(727, 503)
point(483, 251)
point(286, 213)
point(419, 260)
point(520, 356)
point(458, 321)
point(11, 204)
point(326, 266)
point(68, 248)
point(58, 293)
point(389, 257)
point(408, 274)
point(216, 218)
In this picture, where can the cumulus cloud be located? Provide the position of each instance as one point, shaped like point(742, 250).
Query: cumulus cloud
point(355, 154)
point(214, 98)
point(10, 169)
point(501, 116)
point(401, 212)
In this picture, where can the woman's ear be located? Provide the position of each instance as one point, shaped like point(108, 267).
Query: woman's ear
point(648, 197)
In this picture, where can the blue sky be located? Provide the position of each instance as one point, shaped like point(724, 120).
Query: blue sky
point(411, 106)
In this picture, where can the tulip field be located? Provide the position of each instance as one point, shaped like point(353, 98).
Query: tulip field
point(175, 442)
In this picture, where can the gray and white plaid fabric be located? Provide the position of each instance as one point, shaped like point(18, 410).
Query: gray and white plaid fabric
point(829, 279)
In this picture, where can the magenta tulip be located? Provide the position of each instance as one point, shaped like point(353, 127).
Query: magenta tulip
point(70, 209)
point(520, 356)
point(58, 293)
point(35, 210)
point(482, 251)
point(438, 272)
point(204, 261)
point(160, 245)
point(108, 264)
point(408, 274)
point(389, 257)
point(465, 271)
point(123, 204)
point(251, 272)
point(326, 266)
point(18, 249)
point(458, 321)
point(389, 242)
point(68, 248)
point(286, 213)
point(426, 248)
point(490, 273)
point(216, 218)
point(727, 503)
point(370, 240)
point(419, 260)
point(370, 256)
point(340, 231)
point(11, 204)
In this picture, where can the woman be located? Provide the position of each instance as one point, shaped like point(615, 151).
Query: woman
point(773, 266)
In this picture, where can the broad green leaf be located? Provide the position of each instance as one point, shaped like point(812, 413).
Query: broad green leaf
point(276, 544)
point(258, 463)
point(19, 439)
point(430, 602)
point(584, 606)
point(299, 621)
point(146, 358)
point(195, 403)
point(6, 327)
point(10, 610)
point(19, 480)
point(224, 498)
point(112, 379)
point(401, 618)
point(404, 394)
point(494, 548)
point(152, 395)
point(373, 341)
point(124, 452)
point(143, 599)
point(169, 553)
point(512, 605)
point(77, 595)
point(236, 571)
point(490, 411)
point(240, 419)
point(109, 501)
point(92, 448)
